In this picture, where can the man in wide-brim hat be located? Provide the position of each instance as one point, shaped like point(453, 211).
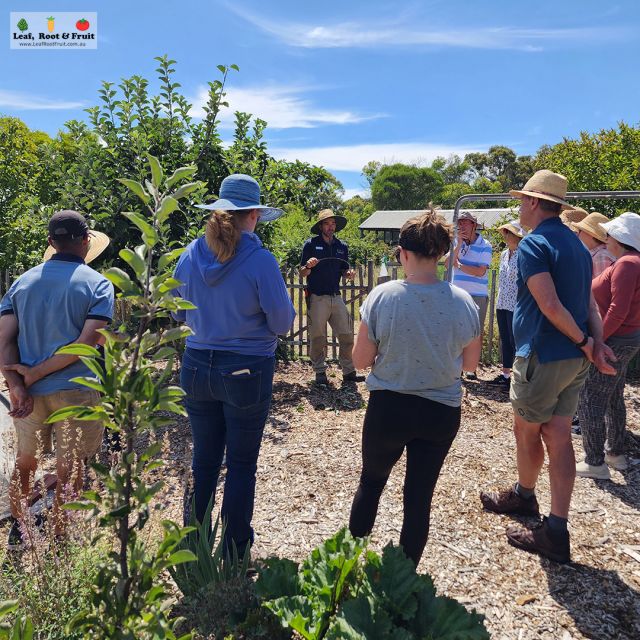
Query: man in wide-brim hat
point(594, 237)
point(324, 261)
point(557, 331)
point(59, 302)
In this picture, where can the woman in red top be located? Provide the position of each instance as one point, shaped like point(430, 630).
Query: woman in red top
point(601, 409)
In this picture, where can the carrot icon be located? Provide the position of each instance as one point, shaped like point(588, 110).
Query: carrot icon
point(50, 24)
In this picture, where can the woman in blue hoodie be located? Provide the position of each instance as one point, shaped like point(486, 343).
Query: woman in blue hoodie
point(227, 369)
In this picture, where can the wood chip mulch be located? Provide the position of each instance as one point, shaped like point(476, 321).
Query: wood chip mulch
point(308, 472)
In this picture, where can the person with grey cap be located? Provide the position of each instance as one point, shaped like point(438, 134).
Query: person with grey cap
point(471, 261)
point(558, 331)
point(59, 302)
point(601, 409)
point(241, 307)
point(324, 261)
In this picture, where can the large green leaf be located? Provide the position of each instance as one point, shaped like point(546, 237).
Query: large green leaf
point(156, 170)
point(137, 188)
point(278, 578)
point(180, 174)
point(78, 349)
point(167, 207)
point(362, 618)
point(395, 580)
point(149, 234)
point(134, 261)
point(442, 618)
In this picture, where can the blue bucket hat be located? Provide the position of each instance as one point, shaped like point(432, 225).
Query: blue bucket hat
point(240, 192)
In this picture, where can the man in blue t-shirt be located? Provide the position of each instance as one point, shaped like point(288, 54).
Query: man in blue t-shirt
point(324, 261)
point(59, 302)
point(558, 332)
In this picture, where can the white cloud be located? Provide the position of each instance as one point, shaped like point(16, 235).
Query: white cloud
point(406, 33)
point(18, 100)
point(283, 107)
point(350, 193)
point(354, 157)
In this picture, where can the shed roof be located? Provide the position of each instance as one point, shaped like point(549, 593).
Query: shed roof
point(393, 220)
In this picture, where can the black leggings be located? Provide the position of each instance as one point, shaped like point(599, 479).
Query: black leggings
point(426, 428)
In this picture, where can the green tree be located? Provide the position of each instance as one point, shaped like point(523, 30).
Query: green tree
point(401, 186)
point(607, 160)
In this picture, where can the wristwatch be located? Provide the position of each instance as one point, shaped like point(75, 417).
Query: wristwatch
point(585, 339)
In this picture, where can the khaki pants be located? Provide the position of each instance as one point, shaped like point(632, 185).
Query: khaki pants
point(74, 438)
point(332, 310)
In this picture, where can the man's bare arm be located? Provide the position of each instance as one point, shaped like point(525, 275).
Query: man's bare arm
point(21, 400)
point(88, 336)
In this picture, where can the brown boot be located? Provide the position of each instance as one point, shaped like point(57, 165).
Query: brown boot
point(508, 501)
point(551, 544)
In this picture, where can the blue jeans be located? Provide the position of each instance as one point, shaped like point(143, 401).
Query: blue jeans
point(227, 411)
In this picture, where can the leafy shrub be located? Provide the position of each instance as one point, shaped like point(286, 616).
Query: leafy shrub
point(213, 565)
point(342, 593)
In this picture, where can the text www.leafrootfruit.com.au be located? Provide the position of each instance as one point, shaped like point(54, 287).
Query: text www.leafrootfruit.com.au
point(52, 44)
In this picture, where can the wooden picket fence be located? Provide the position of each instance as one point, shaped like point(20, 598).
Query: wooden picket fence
point(353, 294)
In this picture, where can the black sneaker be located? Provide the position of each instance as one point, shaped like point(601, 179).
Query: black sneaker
point(15, 541)
point(321, 378)
point(470, 375)
point(353, 377)
point(576, 431)
point(500, 381)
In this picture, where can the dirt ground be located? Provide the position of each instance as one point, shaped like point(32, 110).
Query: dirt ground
point(308, 472)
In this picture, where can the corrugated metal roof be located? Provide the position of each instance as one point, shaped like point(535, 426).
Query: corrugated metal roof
point(393, 220)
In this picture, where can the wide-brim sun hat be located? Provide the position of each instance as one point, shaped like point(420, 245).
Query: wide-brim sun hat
point(573, 215)
point(625, 229)
point(325, 214)
point(240, 192)
point(592, 225)
point(514, 227)
point(98, 242)
point(546, 185)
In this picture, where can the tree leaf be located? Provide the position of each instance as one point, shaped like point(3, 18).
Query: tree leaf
point(78, 349)
point(137, 188)
point(167, 207)
point(156, 170)
point(134, 261)
point(180, 174)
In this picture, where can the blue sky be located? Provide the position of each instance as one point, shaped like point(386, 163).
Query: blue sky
point(342, 83)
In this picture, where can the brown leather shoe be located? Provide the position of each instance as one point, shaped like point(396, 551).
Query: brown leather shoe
point(554, 545)
point(508, 501)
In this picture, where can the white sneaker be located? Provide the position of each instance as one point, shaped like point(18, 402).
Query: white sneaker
point(598, 472)
point(616, 462)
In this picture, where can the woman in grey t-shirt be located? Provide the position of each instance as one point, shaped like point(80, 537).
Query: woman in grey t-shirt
point(415, 334)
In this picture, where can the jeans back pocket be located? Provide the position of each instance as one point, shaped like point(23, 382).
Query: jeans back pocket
point(242, 390)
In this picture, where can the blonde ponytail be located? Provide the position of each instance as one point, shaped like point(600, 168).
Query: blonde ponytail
point(223, 233)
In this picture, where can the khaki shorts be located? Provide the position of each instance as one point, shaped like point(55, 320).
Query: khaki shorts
point(74, 438)
point(540, 391)
point(482, 302)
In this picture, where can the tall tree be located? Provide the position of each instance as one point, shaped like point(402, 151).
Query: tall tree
point(401, 186)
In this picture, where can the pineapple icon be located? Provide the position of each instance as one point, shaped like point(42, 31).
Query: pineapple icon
point(50, 24)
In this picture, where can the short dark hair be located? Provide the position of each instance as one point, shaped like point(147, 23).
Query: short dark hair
point(64, 245)
point(550, 207)
point(626, 247)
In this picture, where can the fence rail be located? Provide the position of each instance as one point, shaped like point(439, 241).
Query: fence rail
point(353, 294)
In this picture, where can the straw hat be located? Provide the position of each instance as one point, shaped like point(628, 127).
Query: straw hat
point(240, 192)
point(68, 225)
point(592, 225)
point(573, 215)
point(625, 229)
point(325, 214)
point(515, 227)
point(98, 242)
point(546, 185)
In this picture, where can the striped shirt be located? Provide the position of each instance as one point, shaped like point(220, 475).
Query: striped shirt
point(601, 259)
point(477, 254)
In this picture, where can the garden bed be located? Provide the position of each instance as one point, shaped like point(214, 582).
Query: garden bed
point(308, 473)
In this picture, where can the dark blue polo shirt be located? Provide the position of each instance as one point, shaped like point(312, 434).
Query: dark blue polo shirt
point(324, 279)
point(551, 248)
